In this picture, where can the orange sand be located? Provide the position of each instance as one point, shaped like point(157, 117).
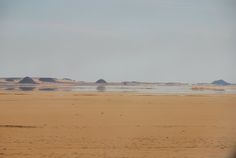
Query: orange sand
point(103, 125)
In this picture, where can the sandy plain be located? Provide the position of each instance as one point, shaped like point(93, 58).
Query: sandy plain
point(116, 125)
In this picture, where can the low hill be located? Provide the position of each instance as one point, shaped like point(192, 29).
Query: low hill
point(27, 80)
point(11, 79)
point(48, 79)
point(101, 81)
point(220, 83)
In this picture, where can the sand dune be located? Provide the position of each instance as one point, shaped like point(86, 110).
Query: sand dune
point(116, 125)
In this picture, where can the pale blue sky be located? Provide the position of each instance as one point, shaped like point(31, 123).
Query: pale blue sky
point(142, 40)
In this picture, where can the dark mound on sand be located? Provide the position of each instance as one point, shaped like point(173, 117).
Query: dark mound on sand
point(27, 80)
point(47, 79)
point(101, 81)
point(11, 79)
point(220, 83)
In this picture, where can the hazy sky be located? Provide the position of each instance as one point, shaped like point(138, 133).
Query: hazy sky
point(142, 40)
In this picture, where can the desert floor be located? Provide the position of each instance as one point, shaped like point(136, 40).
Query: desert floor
point(115, 125)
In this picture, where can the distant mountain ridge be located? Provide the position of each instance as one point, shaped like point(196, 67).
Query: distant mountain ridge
point(49, 80)
point(33, 80)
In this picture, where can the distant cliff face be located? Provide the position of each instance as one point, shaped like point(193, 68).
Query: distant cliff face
point(220, 82)
point(27, 80)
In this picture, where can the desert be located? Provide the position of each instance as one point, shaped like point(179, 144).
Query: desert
point(116, 125)
point(117, 79)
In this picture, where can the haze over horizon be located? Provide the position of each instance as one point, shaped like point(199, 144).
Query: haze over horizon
point(126, 40)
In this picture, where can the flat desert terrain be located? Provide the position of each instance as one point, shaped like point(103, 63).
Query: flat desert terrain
point(116, 125)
